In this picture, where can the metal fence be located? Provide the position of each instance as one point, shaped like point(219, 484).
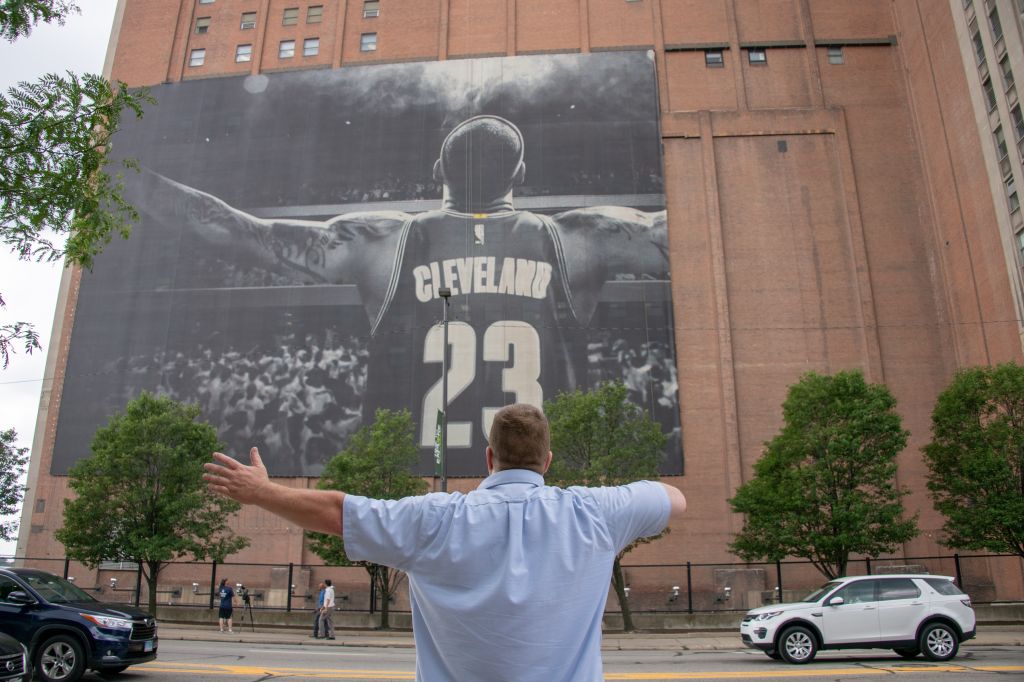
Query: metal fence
point(651, 588)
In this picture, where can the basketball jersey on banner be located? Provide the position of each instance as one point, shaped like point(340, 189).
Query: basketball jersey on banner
point(512, 332)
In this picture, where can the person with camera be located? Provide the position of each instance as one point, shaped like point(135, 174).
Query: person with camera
point(227, 603)
point(507, 582)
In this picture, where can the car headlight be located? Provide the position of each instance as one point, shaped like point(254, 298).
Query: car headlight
point(768, 616)
point(108, 621)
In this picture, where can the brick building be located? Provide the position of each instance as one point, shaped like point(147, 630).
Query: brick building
point(839, 184)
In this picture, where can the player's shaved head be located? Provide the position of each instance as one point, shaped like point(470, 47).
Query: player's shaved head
point(481, 159)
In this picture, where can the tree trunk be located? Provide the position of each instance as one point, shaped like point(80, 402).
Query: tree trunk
point(620, 591)
point(151, 576)
point(384, 574)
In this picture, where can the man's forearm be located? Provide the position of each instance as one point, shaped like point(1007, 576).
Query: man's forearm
point(315, 510)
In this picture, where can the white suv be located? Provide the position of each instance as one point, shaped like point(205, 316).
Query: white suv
point(910, 614)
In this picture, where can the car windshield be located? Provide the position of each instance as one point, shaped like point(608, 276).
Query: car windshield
point(822, 591)
point(55, 589)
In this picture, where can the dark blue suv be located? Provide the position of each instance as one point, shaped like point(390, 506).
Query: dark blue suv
point(67, 631)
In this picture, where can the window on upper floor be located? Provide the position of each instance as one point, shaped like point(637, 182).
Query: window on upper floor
point(1020, 246)
point(1004, 68)
point(835, 55)
point(979, 45)
point(990, 93)
point(197, 57)
point(757, 56)
point(310, 47)
point(368, 42)
point(243, 53)
point(995, 24)
point(1012, 200)
point(248, 20)
point(1000, 140)
point(205, 2)
point(714, 59)
point(315, 14)
point(202, 25)
point(371, 8)
point(286, 50)
point(291, 16)
point(1018, 122)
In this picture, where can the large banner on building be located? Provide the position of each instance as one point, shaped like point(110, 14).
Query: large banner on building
point(301, 233)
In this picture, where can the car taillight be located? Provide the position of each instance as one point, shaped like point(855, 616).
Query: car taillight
point(966, 602)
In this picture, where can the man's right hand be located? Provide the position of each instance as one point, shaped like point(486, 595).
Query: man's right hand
point(228, 477)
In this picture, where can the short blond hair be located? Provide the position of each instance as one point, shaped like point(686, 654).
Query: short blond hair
point(520, 438)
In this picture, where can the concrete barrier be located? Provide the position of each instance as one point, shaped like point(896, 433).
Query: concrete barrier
point(988, 614)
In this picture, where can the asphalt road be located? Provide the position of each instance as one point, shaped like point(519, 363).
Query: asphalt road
point(199, 661)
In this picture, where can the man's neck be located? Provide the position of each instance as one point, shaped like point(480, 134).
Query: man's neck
point(496, 205)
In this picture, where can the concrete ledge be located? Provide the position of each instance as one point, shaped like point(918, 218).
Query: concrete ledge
point(988, 614)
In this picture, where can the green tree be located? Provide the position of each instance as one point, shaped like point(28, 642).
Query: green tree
point(140, 496)
point(12, 465)
point(976, 459)
point(825, 487)
point(54, 181)
point(599, 438)
point(376, 463)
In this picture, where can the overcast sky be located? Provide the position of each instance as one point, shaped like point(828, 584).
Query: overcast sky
point(30, 289)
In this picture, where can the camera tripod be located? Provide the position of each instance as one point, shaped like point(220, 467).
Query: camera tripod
point(247, 609)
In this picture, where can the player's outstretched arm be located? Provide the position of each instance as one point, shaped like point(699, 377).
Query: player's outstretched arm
point(316, 510)
point(309, 252)
point(603, 243)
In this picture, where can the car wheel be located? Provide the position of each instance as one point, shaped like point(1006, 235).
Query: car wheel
point(912, 652)
point(797, 645)
point(939, 642)
point(60, 659)
point(112, 672)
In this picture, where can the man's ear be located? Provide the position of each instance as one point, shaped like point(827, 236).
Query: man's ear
point(489, 456)
point(547, 464)
point(520, 175)
point(438, 172)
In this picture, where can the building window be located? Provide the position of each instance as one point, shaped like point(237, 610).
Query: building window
point(757, 55)
point(997, 26)
point(1004, 67)
point(368, 42)
point(1020, 246)
point(990, 93)
point(197, 57)
point(714, 59)
point(291, 16)
point(979, 46)
point(835, 55)
point(1012, 200)
point(1001, 150)
point(202, 25)
point(310, 47)
point(1018, 122)
point(248, 20)
point(371, 8)
point(243, 53)
point(205, 2)
point(286, 49)
point(315, 14)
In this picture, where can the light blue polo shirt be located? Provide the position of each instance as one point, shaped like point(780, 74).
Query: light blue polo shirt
point(510, 581)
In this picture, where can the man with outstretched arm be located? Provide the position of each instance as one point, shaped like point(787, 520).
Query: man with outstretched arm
point(507, 582)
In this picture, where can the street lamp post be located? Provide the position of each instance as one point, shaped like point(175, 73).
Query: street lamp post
point(445, 293)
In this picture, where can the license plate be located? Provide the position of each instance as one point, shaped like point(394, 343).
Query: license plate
point(147, 646)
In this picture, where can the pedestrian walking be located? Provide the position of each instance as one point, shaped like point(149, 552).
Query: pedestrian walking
point(316, 612)
point(327, 611)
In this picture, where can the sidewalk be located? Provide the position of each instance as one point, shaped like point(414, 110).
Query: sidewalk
point(993, 635)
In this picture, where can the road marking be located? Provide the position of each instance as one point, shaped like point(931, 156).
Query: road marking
point(348, 674)
point(314, 653)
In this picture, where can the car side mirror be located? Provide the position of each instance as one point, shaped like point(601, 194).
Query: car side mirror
point(20, 597)
point(836, 601)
